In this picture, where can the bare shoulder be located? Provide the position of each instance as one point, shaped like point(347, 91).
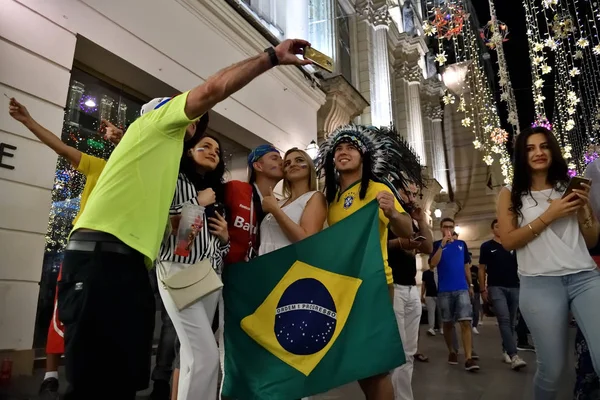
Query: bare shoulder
point(317, 198)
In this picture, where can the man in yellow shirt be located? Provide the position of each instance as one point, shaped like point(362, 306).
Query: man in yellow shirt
point(119, 234)
point(355, 159)
point(91, 167)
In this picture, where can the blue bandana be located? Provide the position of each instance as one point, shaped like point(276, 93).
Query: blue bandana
point(260, 151)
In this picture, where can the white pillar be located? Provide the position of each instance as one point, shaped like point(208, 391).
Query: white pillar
point(381, 89)
point(415, 118)
point(296, 18)
point(439, 162)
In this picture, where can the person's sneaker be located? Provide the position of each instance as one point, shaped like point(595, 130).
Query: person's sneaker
point(49, 389)
point(431, 332)
point(452, 359)
point(474, 355)
point(517, 363)
point(471, 365)
point(161, 390)
point(475, 331)
point(526, 347)
point(506, 358)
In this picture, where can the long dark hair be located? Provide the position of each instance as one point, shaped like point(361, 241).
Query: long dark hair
point(210, 179)
point(558, 172)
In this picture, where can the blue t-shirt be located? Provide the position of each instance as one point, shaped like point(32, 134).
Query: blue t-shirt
point(451, 268)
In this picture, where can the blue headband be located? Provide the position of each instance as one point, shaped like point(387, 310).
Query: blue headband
point(260, 151)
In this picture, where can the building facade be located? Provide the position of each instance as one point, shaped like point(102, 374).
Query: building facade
point(72, 62)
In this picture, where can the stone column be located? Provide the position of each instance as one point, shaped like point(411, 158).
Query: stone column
point(439, 161)
point(413, 76)
point(381, 92)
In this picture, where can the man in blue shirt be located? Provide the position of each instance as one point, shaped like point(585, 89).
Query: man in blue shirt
point(455, 290)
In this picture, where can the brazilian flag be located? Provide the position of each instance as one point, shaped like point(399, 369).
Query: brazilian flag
point(312, 316)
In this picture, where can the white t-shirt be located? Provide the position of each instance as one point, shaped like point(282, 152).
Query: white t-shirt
point(271, 236)
point(559, 249)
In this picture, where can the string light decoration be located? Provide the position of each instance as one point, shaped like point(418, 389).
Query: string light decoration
point(476, 100)
point(507, 94)
point(88, 104)
point(81, 130)
point(494, 33)
point(567, 31)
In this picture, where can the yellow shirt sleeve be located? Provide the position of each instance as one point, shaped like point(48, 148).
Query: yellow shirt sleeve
point(170, 118)
point(90, 165)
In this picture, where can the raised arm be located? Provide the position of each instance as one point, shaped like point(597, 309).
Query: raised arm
point(19, 112)
point(229, 80)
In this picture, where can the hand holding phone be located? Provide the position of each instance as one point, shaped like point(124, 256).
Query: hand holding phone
point(577, 183)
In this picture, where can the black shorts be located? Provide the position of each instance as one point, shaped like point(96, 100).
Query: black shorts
point(107, 306)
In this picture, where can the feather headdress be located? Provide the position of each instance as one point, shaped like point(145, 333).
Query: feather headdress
point(385, 155)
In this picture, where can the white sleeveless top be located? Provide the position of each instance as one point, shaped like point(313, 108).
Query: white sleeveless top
point(271, 236)
point(559, 249)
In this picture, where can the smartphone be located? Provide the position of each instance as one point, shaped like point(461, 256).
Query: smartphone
point(212, 209)
point(320, 59)
point(419, 239)
point(575, 183)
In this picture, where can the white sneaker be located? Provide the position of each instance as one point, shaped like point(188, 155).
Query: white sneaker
point(431, 332)
point(506, 358)
point(475, 331)
point(517, 363)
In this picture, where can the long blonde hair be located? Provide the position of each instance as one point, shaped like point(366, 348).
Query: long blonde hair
point(312, 176)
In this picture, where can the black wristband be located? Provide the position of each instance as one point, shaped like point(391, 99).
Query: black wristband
point(272, 56)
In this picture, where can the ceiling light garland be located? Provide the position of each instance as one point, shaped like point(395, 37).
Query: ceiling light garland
point(507, 94)
point(563, 39)
point(476, 100)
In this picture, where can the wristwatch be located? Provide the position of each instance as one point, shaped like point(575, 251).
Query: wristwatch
point(272, 56)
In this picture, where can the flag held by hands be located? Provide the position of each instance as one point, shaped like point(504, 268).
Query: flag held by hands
point(311, 316)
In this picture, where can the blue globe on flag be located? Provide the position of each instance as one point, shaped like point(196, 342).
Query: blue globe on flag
point(305, 318)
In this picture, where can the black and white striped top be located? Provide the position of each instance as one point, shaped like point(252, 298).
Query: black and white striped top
point(205, 245)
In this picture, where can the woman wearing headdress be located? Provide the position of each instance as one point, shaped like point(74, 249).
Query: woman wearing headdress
point(355, 161)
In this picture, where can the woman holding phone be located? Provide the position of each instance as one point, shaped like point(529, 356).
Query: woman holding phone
point(551, 235)
point(301, 213)
point(200, 183)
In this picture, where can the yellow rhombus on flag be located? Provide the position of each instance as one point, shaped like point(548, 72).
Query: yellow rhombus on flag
point(328, 302)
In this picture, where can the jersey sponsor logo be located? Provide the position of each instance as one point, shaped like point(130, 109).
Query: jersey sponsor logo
point(240, 222)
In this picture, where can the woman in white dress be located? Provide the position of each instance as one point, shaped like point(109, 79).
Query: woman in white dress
point(301, 213)
point(551, 233)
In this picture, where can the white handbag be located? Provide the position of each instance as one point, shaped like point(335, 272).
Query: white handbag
point(190, 284)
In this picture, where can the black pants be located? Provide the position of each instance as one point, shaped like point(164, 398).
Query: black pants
point(165, 353)
point(106, 304)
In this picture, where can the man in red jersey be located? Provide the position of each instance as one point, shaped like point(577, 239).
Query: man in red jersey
point(243, 201)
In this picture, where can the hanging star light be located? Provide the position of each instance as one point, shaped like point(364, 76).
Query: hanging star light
point(551, 44)
point(539, 83)
point(429, 29)
point(477, 144)
point(448, 98)
point(574, 72)
point(569, 125)
point(549, 4)
point(538, 47)
point(578, 55)
point(596, 49)
point(537, 60)
point(583, 43)
point(546, 69)
point(466, 122)
point(540, 98)
point(499, 136)
point(441, 58)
